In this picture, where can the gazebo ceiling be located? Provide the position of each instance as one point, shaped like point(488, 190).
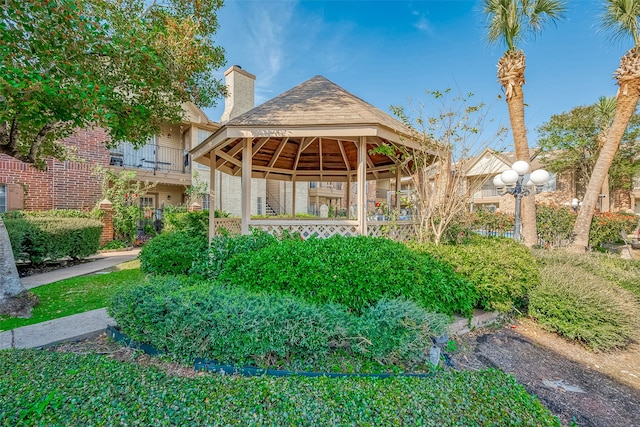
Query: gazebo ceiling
point(310, 133)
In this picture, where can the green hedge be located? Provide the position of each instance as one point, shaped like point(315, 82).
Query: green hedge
point(179, 219)
point(354, 271)
point(501, 270)
point(583, 307)
point(172, 253)
point(50, 238)
point(188, 319)
point(95, 390)
point(223, 248)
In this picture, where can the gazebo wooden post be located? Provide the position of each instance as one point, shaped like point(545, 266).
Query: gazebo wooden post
point(293, 196)
point(362, 186)
point(349, 182)
point(247, 155)
point(212, 194)
point(398, 187)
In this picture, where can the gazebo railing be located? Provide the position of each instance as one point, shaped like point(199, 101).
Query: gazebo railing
point(323, 228)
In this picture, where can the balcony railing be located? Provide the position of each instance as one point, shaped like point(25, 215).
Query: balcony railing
point(151, 157)
point(486, 192)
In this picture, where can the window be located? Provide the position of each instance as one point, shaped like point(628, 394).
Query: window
point(203, 134)
point(313, 185)
point(3, 198)
point(206, 199)
point(259, 205)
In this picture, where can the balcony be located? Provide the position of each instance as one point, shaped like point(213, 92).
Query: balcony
point(334, 190)
point(486, 193)
point(153, 162)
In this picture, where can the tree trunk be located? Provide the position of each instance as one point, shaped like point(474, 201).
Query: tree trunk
point(515, 102)
point(627, 100)
point(10, 285)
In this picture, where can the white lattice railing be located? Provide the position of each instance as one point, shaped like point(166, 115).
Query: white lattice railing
point(396, 230)
point(307, 228)
point(231, 225)
point(399, 230)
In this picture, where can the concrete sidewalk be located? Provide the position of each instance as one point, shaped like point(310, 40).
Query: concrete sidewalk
point(99, 262)
point(75, 327)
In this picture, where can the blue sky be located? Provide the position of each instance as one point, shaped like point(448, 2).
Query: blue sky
point(390, 52)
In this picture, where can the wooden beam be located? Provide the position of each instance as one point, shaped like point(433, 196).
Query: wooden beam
point(228, 158)
point(283, 143)
point(259, 145)
point(304, 144)
point(344, 155)
point(371, 167)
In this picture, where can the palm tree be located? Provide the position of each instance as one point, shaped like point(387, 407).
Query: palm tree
point(621, 17)
point(606, 108)
point(510, 21)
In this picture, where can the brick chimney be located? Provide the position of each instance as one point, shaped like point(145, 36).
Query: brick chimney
point(240, 93)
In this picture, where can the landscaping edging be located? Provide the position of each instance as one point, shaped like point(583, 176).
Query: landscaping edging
point(201, 364)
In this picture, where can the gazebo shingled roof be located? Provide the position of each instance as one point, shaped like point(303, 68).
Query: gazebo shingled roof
point(308, 133)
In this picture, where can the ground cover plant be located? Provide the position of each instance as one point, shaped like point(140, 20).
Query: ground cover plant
point(77, 295)
point(188, 318)
point(502, 271)
point(353, 271)
point(96, 390)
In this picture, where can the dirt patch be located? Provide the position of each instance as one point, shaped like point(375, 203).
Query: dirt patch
point(20, 305)
point(592, 389)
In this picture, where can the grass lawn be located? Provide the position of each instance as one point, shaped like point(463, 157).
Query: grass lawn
point(97, 390)
point(77, 295)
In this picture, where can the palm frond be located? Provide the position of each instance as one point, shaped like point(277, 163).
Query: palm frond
point(621, 18)
point(542, 12)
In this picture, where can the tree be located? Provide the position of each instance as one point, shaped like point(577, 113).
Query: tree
point(621, 17)
point(509, 22)
point(125, 66)
point(450, 139)
point(571, 142)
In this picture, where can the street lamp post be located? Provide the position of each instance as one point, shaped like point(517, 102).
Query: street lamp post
point(511, 181)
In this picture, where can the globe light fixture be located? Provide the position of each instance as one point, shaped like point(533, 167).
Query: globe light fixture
point(576, 204)
point(511, 182)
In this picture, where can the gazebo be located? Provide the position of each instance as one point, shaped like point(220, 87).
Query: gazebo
point(316, 131)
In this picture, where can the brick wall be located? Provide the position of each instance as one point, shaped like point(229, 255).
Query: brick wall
point(65, 185)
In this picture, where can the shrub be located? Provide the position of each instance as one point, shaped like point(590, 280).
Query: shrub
point(97, 390)
point(583, 307)
point(114, 244)
point(177, 218)
point(615, 270)
point(606, 227)
point(353, 271)
point(40, 238)
point(501, 270)
point(233, 325)
point(397, 330)
point(229, 325)
point(554, 225)
point(172, 253)
point(225, 247)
